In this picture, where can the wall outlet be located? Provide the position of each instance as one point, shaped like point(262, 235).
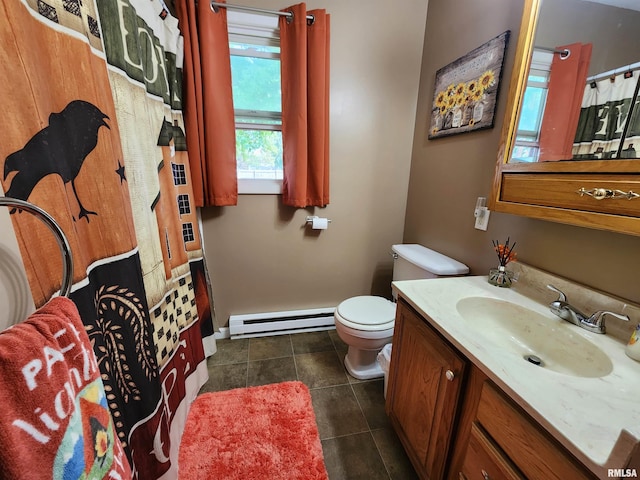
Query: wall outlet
point(482, 218)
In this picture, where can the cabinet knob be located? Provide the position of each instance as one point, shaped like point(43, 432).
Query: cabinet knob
point(485, 475)
point(450, 375)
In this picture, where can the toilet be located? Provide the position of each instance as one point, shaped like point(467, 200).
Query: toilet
point(365, 323)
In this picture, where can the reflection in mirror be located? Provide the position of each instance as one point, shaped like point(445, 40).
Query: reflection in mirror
point(581, 100)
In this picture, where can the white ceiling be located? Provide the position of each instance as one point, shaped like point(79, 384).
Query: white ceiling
point(630, 4)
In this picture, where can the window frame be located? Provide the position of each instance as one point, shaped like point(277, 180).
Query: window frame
point(541, 67)
point(259, 30)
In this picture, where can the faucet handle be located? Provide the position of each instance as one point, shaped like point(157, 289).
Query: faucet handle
point(597, 318)
point(563, 297)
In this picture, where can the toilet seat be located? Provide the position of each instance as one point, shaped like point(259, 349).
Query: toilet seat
point(367, 313)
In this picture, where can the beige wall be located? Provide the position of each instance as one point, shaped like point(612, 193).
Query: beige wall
point(563, 22)
point(448, 174)
point(259, 254)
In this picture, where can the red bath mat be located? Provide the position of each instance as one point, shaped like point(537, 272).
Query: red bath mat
point(266, 432)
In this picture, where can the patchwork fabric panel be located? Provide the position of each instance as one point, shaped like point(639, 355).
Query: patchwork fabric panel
point(77, 15)
point(113, 309)
point(177, 311)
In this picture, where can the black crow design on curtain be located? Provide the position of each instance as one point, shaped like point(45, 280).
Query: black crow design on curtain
point(59, 148)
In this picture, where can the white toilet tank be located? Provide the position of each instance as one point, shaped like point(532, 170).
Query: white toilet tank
point(414, 262)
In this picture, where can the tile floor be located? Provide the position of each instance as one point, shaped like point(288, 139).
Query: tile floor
point(358, 441)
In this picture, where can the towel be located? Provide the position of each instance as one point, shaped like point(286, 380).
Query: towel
point(55, 420)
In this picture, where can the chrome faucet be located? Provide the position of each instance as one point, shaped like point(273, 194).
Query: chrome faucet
point(566, 311)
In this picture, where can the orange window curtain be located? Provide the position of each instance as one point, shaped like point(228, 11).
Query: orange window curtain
point(208, 103)
point(564, 99)
point(304, 58)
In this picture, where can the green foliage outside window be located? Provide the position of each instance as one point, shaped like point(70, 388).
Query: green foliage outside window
point(259, 149)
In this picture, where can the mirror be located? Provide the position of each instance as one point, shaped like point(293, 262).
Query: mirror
point(594, 187)
point(581, 94)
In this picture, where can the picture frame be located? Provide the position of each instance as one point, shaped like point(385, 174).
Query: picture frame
point(466, 90)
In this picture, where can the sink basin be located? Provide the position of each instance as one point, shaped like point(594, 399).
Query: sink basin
point(557, 344)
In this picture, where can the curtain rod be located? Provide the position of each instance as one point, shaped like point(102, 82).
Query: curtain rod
point(563, 53)
point(616, 71)
point(216, 5)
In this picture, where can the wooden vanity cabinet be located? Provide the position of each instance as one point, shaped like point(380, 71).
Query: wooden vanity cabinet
point(531, 448)
point(455, 423)
point(424, 386)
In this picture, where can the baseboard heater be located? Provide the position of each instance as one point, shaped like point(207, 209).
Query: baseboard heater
point(281, 323)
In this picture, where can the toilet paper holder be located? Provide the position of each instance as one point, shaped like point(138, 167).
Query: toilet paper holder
point(311, 218)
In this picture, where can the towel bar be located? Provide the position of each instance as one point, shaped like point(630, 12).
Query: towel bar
point(63, 243)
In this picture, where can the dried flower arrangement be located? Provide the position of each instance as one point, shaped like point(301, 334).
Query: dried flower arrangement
point(505, 252)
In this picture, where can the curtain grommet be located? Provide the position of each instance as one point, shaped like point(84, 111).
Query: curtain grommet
point(312, 20)
point(289, 18)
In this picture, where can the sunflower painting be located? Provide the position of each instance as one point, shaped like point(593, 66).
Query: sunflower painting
point(466, 90)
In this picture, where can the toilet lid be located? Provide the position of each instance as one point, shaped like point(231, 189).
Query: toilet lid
point(367, 310)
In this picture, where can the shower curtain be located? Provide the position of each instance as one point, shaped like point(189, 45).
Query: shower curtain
point(606, 105)
point(631, 140)
point(93, 133)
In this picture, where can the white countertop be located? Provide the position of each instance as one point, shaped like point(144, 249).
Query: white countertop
point(596, 419)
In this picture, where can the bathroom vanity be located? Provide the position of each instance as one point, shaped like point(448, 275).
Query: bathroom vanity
point(466, 403)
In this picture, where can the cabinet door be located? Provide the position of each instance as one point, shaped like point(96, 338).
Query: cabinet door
point(424, 387)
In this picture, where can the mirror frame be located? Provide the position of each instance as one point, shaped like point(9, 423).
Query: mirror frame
point(589, 213)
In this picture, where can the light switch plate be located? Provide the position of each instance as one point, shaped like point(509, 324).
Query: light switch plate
point(482, 219)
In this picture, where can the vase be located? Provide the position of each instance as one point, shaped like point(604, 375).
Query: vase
point(478, 111)
point(500, 277)
point(456, 120)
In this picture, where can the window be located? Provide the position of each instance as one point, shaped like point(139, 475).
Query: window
point(179, 174)
point(167, 243)
point(184, 207)
point(187, 232)
point(255, 71)
point(526, 148)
